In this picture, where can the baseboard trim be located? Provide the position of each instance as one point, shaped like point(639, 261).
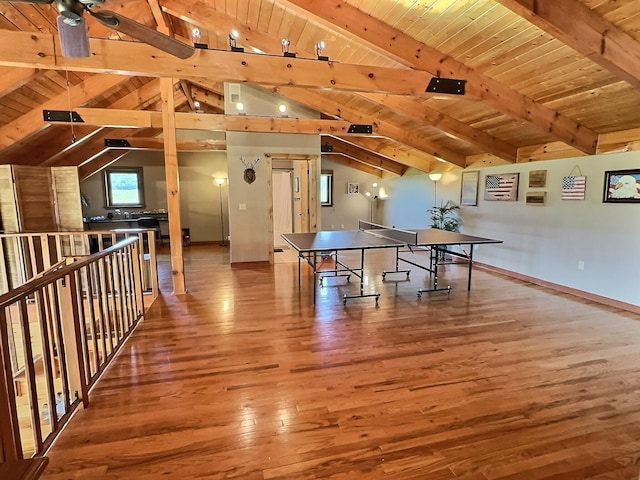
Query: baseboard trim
point(259, 264)
point(610, 302)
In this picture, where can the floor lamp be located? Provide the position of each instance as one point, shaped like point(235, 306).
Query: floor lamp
point(435, 176)
point(372, 198)
point(220, 182)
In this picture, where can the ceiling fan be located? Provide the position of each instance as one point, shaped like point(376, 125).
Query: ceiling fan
point(74, 37)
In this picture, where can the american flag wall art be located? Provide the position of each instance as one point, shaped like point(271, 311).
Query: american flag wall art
point(502, 186)
point(573, 188)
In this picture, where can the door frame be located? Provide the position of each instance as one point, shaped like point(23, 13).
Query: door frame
point(312, 181)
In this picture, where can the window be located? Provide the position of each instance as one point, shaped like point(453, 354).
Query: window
point(326, 188)
point(124, 187)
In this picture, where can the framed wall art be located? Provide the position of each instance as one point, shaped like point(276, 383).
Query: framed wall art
point(501, 186)
point(469, 190)
point(353, 188)
point(537, 178)
point(622, 186)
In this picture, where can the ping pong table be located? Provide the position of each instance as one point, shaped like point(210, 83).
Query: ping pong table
point(315, 248)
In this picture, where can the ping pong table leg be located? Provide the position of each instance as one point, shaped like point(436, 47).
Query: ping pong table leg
point(397, 270)
point(315, 276)
point(433, 263)
point(470, 267)
point(361, 276)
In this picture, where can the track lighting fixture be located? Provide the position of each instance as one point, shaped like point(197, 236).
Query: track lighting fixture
point(319, 48)
point(233, 37)
point(286, 43)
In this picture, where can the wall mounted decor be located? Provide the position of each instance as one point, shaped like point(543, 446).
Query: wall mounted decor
point(622, 186)
point(536, 198)
point(574, 188)
point(249, 170)
point(501, 186)
point(537, 178)
point(353, 188)
point(469, 190)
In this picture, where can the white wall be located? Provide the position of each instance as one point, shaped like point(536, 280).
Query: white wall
point(410, 196)
point(544, 242)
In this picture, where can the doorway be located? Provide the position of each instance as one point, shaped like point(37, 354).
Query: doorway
point(282, 205)
point(294, 195)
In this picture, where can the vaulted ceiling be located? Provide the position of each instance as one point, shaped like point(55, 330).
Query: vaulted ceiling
point(543, 79)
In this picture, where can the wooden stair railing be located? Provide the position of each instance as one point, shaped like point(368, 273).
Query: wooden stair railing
point(28, 469)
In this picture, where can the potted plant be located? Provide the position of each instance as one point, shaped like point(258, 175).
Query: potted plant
point(445, 217)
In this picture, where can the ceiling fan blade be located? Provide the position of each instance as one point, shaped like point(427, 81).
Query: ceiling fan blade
point(142, 32)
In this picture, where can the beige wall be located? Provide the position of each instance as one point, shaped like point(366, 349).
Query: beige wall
point(199, 195)
point(250, 205)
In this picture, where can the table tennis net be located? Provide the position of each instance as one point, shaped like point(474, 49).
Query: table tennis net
point(404, 236)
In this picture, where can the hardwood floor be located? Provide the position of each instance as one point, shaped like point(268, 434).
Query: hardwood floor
point(244, 378)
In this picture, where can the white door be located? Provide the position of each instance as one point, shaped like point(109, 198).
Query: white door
point(282, 209)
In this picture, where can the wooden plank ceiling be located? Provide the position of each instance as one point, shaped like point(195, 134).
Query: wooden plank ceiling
point(560, 81)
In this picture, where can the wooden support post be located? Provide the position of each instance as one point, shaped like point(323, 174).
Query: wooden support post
point(173, 190)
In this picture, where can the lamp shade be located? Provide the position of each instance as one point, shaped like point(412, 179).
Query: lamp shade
point(435, 176)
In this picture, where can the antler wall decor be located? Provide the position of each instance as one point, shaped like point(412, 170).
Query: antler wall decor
point(249, 170)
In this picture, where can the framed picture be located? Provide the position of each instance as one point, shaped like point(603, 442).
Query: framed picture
point(353, 188)
point(537, 179)
point(536, 198)
point(469, 191)
point(501, 187)
point(622, 186)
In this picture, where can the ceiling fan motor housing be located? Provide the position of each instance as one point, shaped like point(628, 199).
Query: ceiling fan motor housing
point(71, 10)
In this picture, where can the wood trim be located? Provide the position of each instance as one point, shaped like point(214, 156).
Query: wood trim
point(261, 264)
point(610, 302)
point(28, 469)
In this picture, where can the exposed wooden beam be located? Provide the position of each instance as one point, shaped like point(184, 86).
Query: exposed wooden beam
point(209, 98)
point(157, 143)
point(186, 89)
point(132, 58)
point(409, 138)
point(237, 123)
point(446, 123)
point(12, 79)
point(409, 51)
point(365, 156)
point(579, 27)
point(412, 158)
point(85, 150)
point(32, 121)
point(210, 17)
point(173, 185)
point(159, 16)
point(353, 163)
point(101, 160)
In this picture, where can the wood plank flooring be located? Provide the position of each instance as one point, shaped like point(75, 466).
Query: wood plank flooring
point(244, 378)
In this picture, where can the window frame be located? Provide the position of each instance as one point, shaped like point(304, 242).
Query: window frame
point(329, 202)
point(108, 198)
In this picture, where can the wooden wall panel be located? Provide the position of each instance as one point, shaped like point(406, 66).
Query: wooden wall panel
point(66, 189)
point(34, 194)
point(8, 208)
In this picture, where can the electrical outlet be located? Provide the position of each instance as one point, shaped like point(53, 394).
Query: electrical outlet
point(580, 264)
